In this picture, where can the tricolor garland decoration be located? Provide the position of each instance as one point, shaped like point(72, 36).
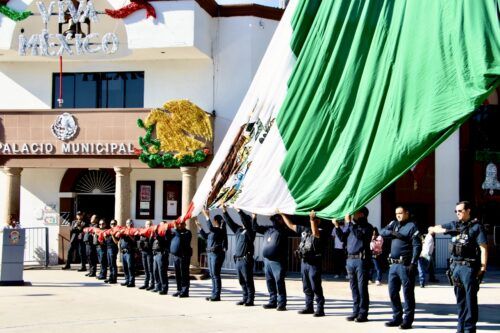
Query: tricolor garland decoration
point(11, 13)
point(132, 7)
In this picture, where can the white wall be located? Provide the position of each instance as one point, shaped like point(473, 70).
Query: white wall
point(239, 46)
point(40, 203)
point(447, 178)
point(375, 208)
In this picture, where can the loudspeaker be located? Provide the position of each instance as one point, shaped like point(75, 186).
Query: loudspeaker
point(496, 235)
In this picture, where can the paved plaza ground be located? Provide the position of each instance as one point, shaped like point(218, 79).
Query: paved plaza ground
point(67, 301)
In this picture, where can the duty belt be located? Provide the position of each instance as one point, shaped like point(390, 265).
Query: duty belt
point(242, 257)
point(356, 256)
point(125, 251)
point(401, 260)
point(465, 262)
point(213, 249)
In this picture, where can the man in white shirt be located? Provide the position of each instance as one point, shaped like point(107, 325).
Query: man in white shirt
point(425, 258)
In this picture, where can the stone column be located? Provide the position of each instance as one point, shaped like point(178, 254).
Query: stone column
point(122, 195)
point(188, 189)
point(12, 193)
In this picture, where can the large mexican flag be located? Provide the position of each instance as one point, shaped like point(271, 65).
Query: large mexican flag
point(348, 97)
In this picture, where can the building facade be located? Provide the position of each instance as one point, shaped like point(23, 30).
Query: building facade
point(82, 154)
point(119, 69)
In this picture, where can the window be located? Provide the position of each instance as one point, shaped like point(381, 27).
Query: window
point(100, 90)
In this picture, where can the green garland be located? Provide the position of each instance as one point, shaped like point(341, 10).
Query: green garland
point(13, 14)
point(163, 159)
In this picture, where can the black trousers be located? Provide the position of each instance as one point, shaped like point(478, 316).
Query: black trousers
point(244, 267)
point(181, 265)
point(91, 252)
point(311, 284)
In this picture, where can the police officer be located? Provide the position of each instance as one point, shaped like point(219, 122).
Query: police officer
point(180, 248)
point(145, 244)
point(127, 246)
point(90, 247)
point(357, 236)
point(75, 241)
point(405, 251)
point(111, 252)
point(311, 248)
point(160, 248)
point(100, 244)
point(216, 251)
point(469, 255)
point(243, 254)
point(275, 253)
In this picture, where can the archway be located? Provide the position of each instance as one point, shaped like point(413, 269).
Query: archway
point(95, 193)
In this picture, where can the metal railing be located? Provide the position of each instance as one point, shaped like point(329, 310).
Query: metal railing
point(441, 251)
point(293, 260)
point(36, 250)
point(441, 254)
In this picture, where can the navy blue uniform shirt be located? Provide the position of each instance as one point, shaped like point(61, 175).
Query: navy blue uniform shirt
point(405, 240)
point(325, 230)
point(216, 237)
point(161, 243)
point(475, 234)
point(357, 237)
point(181, 243)
point(126, 243)
point(244, 236)
point(275, 245)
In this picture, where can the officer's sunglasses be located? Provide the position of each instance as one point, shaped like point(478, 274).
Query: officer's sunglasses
point(459, 210)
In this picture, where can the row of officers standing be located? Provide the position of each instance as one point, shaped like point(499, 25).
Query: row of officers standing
point(467, 263)
point(98, 243)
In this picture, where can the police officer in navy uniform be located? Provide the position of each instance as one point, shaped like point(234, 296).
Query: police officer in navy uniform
point(180, 248)
point(111, 253)
point(216, 251)
point(243, 254)
point(145, 244)
point(127, 246)
point(90, 247)
point(75, 241)
point(160, 248)
point(100, 244)
point(469, 255)
point(405, 251)
point(275, 253)
point(315, 238)
point(357, 236)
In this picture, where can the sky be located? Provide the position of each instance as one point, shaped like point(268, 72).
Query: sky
point(271, 3)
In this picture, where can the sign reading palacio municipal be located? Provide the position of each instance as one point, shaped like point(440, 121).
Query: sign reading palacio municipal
point(65, 128)
point(113, 148)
